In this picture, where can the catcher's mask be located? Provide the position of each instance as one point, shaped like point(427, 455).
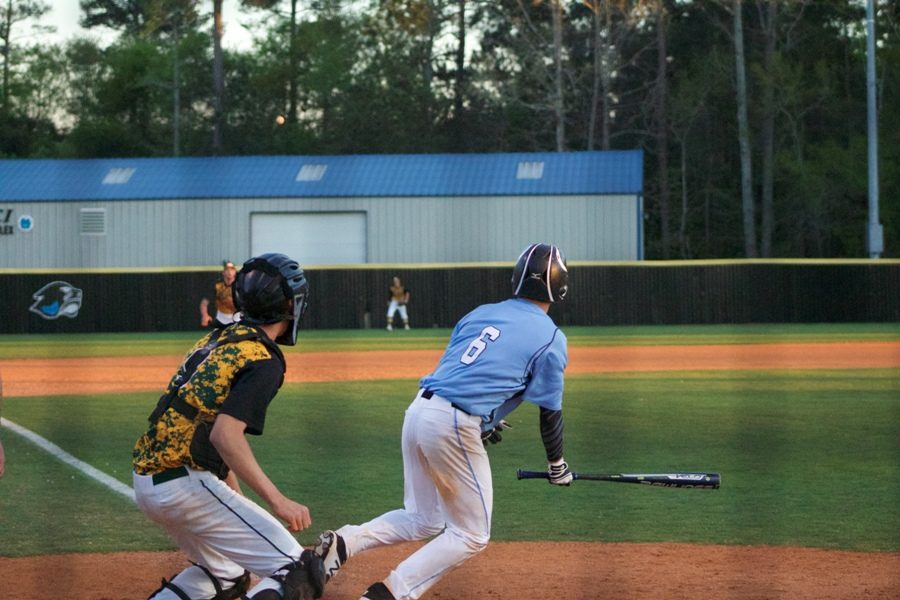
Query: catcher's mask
point(541, 274)
point(270, 288)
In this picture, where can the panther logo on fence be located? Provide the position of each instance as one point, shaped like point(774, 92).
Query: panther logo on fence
point(57, 299)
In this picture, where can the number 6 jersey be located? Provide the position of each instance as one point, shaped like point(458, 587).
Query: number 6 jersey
point(498, 355)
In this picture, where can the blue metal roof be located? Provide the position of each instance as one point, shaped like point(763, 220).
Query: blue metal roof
point(557, 173)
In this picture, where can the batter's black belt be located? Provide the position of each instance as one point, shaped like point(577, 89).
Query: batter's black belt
point(169, 475)
point(428, 395)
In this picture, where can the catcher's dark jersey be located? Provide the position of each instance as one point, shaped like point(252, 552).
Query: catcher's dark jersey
point(241, 374)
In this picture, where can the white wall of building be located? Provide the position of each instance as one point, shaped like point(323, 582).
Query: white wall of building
point(186, 233)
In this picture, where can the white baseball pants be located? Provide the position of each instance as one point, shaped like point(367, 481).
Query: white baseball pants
point(447, 487)
point(395, 307)
point(217, 528)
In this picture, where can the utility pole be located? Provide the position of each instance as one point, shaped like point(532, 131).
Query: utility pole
point(176, 85)
point(875, 232)
point(218, 78)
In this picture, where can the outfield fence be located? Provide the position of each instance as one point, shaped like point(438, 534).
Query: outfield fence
point(629, 293)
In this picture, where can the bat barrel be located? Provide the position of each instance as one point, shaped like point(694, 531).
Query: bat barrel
point(705, 480)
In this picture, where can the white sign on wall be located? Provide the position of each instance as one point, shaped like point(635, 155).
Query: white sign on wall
point(311, 238)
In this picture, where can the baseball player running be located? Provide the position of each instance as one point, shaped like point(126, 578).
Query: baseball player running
point(188, 463)
point(498, 356)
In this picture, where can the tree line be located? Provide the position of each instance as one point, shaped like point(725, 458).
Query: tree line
point(751, 113)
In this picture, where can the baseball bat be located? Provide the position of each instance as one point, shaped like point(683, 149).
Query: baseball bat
point(710, 481)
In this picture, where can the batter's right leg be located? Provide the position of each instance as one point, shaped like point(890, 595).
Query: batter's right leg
point(436, 439)
point(420, 516)
point(460, 459)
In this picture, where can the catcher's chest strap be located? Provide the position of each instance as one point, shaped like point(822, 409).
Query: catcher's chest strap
point(185, 372)
point(184, 408)
point(190, 366)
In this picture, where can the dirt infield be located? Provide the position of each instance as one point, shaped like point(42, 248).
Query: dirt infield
point(521, 571)
point(122, 373)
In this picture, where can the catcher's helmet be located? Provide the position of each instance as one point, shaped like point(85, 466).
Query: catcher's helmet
point(271, 288)
point(541, 274)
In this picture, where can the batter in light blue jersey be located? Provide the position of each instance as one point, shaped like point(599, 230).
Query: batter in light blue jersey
point(499, 355)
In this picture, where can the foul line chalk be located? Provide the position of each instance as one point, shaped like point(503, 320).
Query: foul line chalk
point(57, 452)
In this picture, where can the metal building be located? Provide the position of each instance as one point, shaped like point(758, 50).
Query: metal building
point(323, 210)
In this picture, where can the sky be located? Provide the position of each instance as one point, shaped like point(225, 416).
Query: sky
point(64, 15)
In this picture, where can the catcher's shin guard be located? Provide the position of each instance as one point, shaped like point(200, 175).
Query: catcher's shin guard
point(168, 585)
point(235, 592)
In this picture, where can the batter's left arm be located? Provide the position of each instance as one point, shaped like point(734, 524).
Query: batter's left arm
point(552, 433)
point(548, 378)
point(558, 472)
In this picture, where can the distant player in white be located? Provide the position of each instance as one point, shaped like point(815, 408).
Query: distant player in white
point(397, 300)
point(498, 355)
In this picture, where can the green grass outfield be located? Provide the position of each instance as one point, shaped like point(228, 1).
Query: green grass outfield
point(117, 344)
point(807, 458)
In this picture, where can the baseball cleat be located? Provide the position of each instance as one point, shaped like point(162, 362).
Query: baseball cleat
point(377, 591)
point(331, 549)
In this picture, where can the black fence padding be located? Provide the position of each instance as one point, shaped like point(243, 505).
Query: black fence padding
point(706, 293)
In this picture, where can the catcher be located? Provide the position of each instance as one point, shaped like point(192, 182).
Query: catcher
point(188, 463)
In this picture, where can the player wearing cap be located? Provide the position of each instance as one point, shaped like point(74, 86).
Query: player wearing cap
point(398, 298)
point(226, 313)
point(498, 356)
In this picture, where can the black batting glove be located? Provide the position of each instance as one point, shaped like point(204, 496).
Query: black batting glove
point(559, 473)
point(493, 435)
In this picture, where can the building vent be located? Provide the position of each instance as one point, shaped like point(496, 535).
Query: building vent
point(92, 221)
point(530, 170)
point(118, 176)
point(311, 172)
